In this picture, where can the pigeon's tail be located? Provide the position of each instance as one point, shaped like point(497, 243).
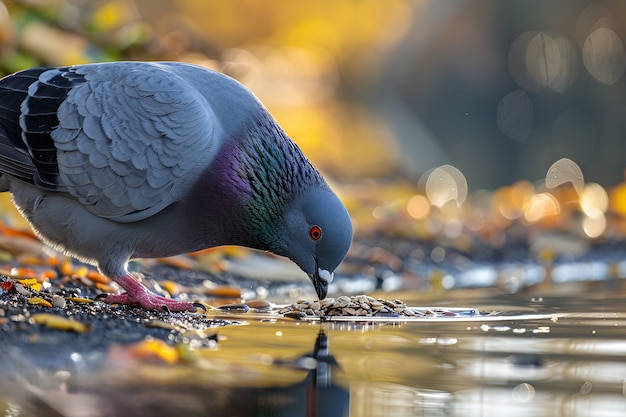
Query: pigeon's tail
point(14, 161)
point(14, 157)
point(13, 92)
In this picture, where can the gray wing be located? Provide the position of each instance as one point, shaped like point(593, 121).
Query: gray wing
point(124, 139)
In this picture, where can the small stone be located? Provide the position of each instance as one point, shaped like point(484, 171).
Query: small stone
point(22, 290)
point(234, 308)
point(259, 304)
point(58, 301)
point(295, 315)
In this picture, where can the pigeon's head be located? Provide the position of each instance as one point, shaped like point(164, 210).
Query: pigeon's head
point(317, 235)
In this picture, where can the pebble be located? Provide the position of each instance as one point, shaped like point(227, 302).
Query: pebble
point(22, 290)
point(58, 301)
point(259, 304)
point(234, 308)
point(295, 314)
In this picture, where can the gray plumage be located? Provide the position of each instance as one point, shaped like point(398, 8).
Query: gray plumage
point(115, 161)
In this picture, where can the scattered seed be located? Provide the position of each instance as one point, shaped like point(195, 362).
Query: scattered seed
point(327, 302)
point(349, 311)
point(358, 305)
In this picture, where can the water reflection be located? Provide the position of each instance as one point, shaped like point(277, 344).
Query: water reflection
point(309, 385)
point(323, 392)
point(319, 394)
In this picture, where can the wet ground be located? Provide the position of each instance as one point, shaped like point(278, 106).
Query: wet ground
point(519, 337)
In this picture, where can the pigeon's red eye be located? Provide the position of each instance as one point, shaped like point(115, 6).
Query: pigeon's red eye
point(315, 232)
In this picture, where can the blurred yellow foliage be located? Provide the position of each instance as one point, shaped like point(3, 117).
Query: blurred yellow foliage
point(618, 199)
point(339, 26)
point(295, 56)
point(112, 15)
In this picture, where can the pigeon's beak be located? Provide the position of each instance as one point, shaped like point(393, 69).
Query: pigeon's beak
point(321, 278)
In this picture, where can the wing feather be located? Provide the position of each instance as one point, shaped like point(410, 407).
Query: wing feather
point(124, 139)
point(144, 135)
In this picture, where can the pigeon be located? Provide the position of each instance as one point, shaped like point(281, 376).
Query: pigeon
point(114, 161)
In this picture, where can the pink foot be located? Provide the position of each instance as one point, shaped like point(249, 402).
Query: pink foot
point(137, 293)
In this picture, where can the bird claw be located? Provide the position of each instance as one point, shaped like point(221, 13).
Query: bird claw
point(100, 297)
point(136, 293)
point(149, 301)
point(200, 305)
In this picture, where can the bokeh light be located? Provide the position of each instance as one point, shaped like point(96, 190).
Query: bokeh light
point(551, 61)
point(565, 170)
point(594, 223)
point(418, 207)
point(541, 205)
point(540, 60)
point(446, 183)
point(604, 56)
point(594, 197)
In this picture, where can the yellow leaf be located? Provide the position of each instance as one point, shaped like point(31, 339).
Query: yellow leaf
point(55, 322)
point(156, 349)
point(38, 301)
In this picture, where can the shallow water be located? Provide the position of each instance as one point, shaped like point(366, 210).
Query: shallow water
point(539, 356)
point(558, 351)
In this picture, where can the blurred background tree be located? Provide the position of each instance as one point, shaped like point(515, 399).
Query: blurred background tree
point(498, 89)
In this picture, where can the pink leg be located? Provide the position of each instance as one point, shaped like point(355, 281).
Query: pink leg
point(137, 293)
